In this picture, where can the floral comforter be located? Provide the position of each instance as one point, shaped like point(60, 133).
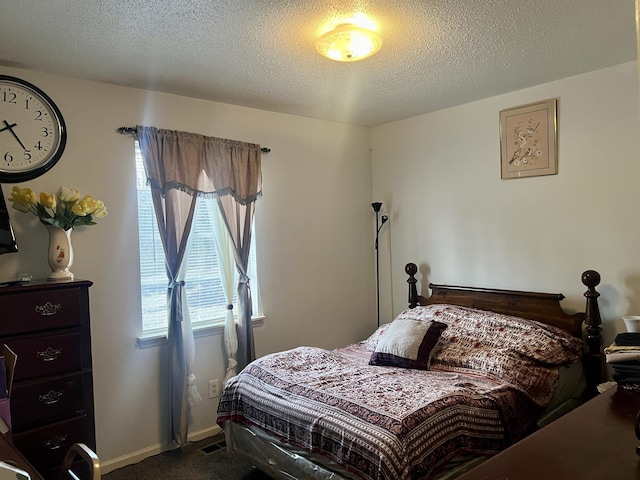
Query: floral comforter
point(386, 422)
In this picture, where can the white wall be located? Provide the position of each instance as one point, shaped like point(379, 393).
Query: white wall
point(313, 221)
point(454, 217)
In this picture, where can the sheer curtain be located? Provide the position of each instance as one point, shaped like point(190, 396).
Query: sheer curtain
point(238, 218)
point(180, 167)
point(224, 250)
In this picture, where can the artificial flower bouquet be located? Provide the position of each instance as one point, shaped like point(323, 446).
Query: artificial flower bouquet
point(64, 209)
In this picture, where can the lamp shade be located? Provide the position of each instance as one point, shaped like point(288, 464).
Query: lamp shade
point(348, 43)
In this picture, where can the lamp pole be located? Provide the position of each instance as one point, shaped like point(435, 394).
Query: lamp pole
point(376, 208)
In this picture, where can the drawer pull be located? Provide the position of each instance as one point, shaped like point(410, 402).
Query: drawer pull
point(50, 354)
point(56, 442)
point(50, 397)
point(48, 309)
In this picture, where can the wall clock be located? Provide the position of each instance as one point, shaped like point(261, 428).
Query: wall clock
point(32, 131)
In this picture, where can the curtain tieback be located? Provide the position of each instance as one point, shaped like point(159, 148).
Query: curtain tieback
point(230, 306)
point(175, 284)
point(245, 279)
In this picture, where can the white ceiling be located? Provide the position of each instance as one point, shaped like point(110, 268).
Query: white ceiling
point(261, 53)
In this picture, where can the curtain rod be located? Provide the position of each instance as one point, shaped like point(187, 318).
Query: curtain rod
point(134, 130)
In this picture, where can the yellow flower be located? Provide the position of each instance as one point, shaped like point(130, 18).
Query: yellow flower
point(23, 196)
point(48, 201)
point(100, 211)
point(85, 206)
point(64, 209)
point(79, 209)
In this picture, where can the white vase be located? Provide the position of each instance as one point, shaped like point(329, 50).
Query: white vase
point(60, 253)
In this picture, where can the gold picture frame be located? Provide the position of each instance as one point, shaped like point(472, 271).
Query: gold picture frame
point(528, 140)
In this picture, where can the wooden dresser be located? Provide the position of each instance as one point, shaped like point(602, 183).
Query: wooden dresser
point(595, 441)
point(46, 323)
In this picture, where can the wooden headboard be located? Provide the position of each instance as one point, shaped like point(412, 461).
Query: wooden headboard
point(542, 307)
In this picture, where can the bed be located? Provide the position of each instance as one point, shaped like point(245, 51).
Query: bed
point(454, 379)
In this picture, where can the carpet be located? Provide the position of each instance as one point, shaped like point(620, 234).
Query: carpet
point(207, 459)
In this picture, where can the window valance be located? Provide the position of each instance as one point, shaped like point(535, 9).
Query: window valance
point(200, 165)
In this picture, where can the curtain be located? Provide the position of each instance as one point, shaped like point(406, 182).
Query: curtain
point(224, 251)
point(238, 218)
point(180, 167)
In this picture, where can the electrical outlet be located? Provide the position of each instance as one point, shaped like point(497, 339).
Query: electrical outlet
point(214, 390)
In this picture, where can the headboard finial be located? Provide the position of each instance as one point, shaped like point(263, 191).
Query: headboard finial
point(591, 279)
point(411, 269)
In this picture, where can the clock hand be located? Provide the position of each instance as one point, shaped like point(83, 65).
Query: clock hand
point(7, 127)
point(10, 127)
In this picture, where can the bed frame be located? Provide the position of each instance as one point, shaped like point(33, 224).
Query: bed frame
point(542, 307)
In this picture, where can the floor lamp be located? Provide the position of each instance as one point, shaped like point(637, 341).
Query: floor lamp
point(380, 221)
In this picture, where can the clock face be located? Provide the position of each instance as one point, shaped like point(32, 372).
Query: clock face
point(32, 131)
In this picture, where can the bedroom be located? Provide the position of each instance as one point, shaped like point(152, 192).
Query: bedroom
point(558, 226)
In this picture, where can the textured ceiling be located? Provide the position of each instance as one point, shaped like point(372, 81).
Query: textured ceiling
point(261, 53)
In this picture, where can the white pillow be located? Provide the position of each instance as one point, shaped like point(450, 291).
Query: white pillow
point(408, 343)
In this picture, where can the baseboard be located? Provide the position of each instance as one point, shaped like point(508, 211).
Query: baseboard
point(139, 455)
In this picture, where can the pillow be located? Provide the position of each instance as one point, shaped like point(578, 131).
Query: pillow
point(522, 353)
point(473, 333)
point(407, 343)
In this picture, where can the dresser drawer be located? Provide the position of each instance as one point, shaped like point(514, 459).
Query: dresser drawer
point(40, 310)
point(46, 447)
point(44, 400)
point(47, 355)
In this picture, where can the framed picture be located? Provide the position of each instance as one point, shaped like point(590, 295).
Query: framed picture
point(528, 140)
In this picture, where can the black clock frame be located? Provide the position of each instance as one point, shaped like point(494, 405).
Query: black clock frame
point(16, 177)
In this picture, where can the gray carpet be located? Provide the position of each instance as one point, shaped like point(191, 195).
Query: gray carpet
point(204, 460)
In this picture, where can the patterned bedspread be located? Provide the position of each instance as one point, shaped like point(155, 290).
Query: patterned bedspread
point(380, 422)
point(490, 378)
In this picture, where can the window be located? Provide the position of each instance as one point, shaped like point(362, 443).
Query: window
point(207, 305)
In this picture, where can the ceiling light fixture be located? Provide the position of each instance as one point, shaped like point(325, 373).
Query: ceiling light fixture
point(348, 43)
